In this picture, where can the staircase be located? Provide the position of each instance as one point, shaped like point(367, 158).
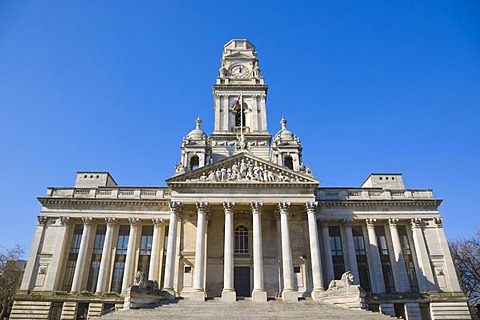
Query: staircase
point(243, 309)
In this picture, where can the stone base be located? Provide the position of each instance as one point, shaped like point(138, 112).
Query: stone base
point(289, 296)
point(259, 296)
point(317, 294)
point(229, 296)
point(197, 296)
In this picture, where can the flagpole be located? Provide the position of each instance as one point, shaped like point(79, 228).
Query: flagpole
point(242, 118)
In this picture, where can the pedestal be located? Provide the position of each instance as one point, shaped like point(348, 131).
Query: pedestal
point(289, 296)
point(197, 296)
point(259, 296)
point(229, 296)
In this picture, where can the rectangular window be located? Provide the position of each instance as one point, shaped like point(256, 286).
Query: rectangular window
point(77, 238)
point(336, 251)
point(145, 249)
point(358, 241)
point(69, 272)
point(72, 257)
point(99, 239)
point(117, 277)
point(120, 256)
point(408, 258)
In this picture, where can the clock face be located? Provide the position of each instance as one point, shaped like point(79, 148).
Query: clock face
point(239, 71)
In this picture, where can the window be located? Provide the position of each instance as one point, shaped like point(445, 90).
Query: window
point(96, 257)
point(69, 272)
point(56, 311)
point(336, 245)
point(288, 162)
point(145, 249)
point(358, 241)
point(382, 245)
point(77, 238)
point(120, 256)
point(336, 251)
point(117, 278)
point(72, 257)
point(240, 118)
point(194, 162)
point(241, 239)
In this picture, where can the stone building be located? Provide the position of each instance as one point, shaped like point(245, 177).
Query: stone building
point(242, 216)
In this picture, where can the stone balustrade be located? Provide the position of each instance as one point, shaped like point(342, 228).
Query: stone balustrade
point(110, 193)
point(372, 194)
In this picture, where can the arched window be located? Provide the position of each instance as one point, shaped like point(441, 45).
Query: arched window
point(288, 162)
point(241, 239)
point(194, 162)
point(240, 118)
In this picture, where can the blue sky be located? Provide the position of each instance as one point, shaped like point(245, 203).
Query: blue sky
point(369, 86)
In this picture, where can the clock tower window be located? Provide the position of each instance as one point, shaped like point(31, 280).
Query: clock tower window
point(240, 118)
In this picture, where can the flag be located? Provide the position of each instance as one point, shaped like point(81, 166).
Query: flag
point(236, 105)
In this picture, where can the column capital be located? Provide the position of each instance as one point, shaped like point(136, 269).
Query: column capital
point(371, 222)
point(228, 207)
point(202, 206)
point(392, 222)
point(87, 221)
point(133, 222)
point(65, 221)
point(157, 222)
point(324, 222)
point(347, 222)
point(42, 220)
point(111, 221)
point(284, 206)
point(416, 222)
point(438, 222)
point(311, 206)
point(175, 206)
point(256, 206)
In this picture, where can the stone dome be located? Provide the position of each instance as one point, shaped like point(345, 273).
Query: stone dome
point(284, 135)
point(197, 134)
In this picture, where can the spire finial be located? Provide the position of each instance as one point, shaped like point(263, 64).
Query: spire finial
point(198, 122)
point(283, 122)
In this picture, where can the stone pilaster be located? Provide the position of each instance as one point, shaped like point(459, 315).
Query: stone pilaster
point(288, 294)
point(398, 266)
point(171, 245)
point(426, 281)
point(32, 263)
point(198, 293)
point(378, 283)
point(259, 294)
point(314, 250)
point(105, 263)
point(228, 292)
point(81, 266)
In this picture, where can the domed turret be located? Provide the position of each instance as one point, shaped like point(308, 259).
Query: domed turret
point(196, 134)
point(195, 150)
point(284, 135)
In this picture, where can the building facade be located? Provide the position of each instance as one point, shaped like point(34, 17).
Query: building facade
point(242, 216)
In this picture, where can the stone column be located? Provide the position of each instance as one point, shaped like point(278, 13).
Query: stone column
point(314, 251)
point(52, 281)
point(171, 245)
point(288, 294)
point(105, 263)
point(153, 269)
point(330, 274)
point(259, 294)
point(228, 292)
point(350, 252)
point(426, 281)
point(81, 265)
point(378, 283)
point(398, 267)
point(198, 293)
point(130, 258)
point(32, 265)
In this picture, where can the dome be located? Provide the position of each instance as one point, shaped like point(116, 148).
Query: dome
point(197, 133)
point(284, 135)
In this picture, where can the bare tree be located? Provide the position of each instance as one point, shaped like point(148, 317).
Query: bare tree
point(10, 276)
point(466, 255)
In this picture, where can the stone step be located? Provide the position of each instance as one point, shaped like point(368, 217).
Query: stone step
point(243, 309)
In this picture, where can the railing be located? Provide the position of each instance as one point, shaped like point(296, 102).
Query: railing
point(110, 193)
point(372, 194)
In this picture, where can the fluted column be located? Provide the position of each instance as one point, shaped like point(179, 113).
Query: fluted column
point(171, 245)
point(259, 294)
point(130, 258)
point(153, 269)
point(314, 250)
point(330, 273)
point(81, 267)
point(198, 293)
point(426, 281)
point(228, 292)
point(288, 294)
point(350, 252)
point(106, 256)
point(30, 268)
point(398, 267)
point(378, 283)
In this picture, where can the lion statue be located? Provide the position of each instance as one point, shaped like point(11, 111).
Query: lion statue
point(343, 283)
point(139, 278)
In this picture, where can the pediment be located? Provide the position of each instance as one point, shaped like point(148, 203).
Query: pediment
point(243, 168)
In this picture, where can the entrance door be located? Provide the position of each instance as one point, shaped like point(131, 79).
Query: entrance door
point(242, 281)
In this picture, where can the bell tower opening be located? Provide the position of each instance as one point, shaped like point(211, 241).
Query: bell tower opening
point(194, 162)
point(288, 162)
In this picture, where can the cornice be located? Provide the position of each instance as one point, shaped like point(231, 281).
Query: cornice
point(371, 203)
point(106, 202)
point(243, 185)
point(234, 87)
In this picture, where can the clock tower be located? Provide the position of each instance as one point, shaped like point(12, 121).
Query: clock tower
point(240, 104)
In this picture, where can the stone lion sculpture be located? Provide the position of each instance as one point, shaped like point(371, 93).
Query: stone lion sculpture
point(139, 278)
point(344, 283)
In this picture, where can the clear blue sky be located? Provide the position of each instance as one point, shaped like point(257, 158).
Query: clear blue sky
point(369, 86)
